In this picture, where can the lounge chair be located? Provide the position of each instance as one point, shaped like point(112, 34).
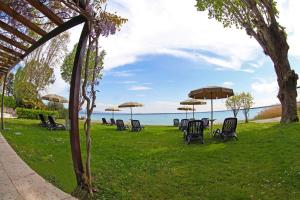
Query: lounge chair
point(120, 125)
point(43, 123)
point(228, 129)
point(194, 131)
point(105, 122)
point(183, 124)
point(55, 126)
point(136, 126)
point(205, 122)
point(175, 122)
point(112, 121)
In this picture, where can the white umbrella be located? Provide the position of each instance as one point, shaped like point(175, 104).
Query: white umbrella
point(130, 105)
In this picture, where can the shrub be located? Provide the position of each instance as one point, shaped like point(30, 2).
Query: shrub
point(9, 102)
point(33, 114)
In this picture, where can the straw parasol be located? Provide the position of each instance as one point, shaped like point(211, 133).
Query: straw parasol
point(211, 92)
point(131, 105)
point(113, 110)
point(186, 109)
point(193, 102)
point(55, 98)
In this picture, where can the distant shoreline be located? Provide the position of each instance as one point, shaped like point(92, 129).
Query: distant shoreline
point(99, 113)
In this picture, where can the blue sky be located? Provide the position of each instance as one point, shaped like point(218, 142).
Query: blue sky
point(167, 48)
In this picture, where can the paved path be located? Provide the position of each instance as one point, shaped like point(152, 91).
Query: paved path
point(18, 181)
point(276, 119)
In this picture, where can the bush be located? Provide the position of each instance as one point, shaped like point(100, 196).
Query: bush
point(9, 102)
point(33, 114)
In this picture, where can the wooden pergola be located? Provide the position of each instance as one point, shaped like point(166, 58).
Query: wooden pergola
point(16, 44)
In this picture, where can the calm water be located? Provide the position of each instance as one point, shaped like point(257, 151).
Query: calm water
point(167, 118)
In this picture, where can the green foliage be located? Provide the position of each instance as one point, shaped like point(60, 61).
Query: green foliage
point(246, 103)
point(67, 66)
point(156, 164)
point(242, 14)
point(234, 103)
point(9, 102)
point(33, 113)
point(59, 107)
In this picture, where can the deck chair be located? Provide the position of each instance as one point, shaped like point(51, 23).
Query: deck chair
point(175, 122)
point(112, 121)
point(183, 124)
point(105, 122)
point(136, 126)
point(120, 125)
point(228, 129)
point(55, 126)
point(205, 122)
point(194, 131)
point(43, 123)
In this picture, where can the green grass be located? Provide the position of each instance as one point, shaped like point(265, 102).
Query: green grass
point(156, 164)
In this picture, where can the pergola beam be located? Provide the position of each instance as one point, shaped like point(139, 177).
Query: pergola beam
point(10, 51)
point(67, 25)
point(5, 8)
point(46, 11)
point(15, 31)
point(5, 55)
point(14, 43)
point(6, 61)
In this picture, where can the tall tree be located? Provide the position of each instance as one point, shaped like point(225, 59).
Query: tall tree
point(234, 103)
point(246, 100)
point(259, 19)
point(38, 71)
point(9, 84)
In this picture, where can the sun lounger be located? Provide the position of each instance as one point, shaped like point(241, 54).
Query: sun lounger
point(55, 126)
point(228, 129)
point(194, 131)
point(136, 126)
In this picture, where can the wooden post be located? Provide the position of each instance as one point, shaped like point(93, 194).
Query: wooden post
point(2, 104)
point(74, 104)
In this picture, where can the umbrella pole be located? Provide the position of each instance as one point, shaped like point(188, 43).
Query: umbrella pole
point(113, 114)
point(211, 115)
point(131, 113)
point(186, 114)
point(193, 111)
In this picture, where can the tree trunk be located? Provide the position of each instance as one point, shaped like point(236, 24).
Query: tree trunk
point(287, 96)
point(246, 115)
point(277, 48)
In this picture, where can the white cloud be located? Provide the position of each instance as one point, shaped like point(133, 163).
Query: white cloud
point(124, 73)
point(156, 27)
point(139, 88)
point(128, 82)
point(60, 87)
point(265, 86)
point(228, 83)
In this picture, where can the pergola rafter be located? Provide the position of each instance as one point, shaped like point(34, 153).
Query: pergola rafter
point(16, 44)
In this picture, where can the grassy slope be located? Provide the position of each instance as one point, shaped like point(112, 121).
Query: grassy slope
point(156, 164)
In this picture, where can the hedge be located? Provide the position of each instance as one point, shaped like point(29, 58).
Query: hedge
point(9, 102)
point(33, 114)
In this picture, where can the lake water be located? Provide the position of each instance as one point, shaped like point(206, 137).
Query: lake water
point(167, 118)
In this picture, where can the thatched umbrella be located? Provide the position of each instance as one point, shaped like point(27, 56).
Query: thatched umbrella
point(211, 92)
point(55, 98)
point(186, 109)
point(193, 102)
point(130, 105)
point(113, 110)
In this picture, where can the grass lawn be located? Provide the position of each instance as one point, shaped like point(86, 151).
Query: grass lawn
point(156, 164)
